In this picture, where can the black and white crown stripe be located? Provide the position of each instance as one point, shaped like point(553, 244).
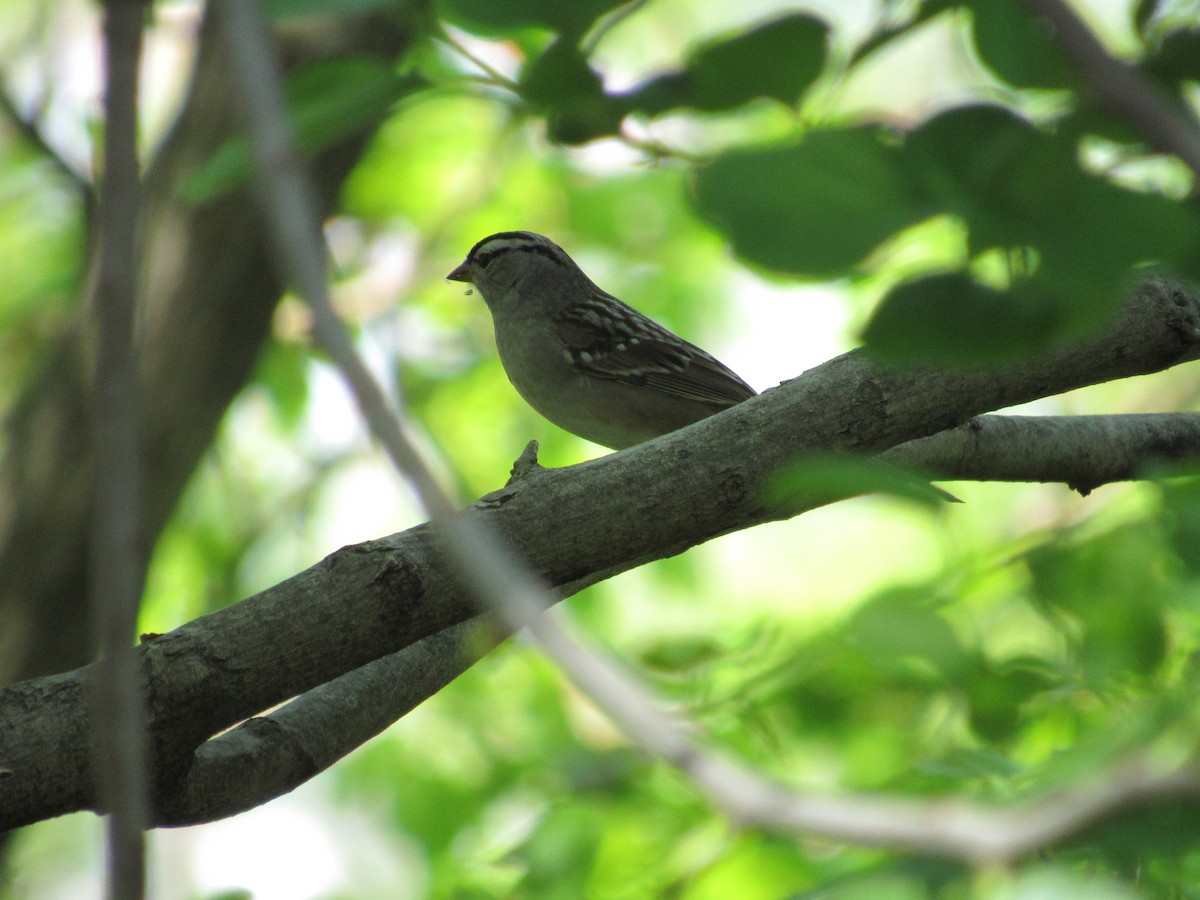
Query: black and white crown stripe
point(494, 245)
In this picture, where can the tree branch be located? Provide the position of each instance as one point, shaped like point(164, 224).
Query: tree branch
point(573, 526)
point(268, 756)
point(273, 754)
point(1082, 452)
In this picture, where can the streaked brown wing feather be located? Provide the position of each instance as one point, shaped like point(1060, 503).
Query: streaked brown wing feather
point(704, 379)
point(602, 346)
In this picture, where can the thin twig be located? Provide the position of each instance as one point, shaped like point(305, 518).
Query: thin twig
point(32, 134)
point(494, 76)
point(117, 553)
point(1121, 88)
point(607, 23)
point(296, 232)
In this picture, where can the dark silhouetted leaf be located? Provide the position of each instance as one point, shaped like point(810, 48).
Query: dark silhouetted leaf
point(1015, 186)
point(285, 9)
point(779, 60)
point(682, 654)
point(954, 320)
point(563, 86)
point(996, 693)
point(1142, 13)
point(816, 207)
point(1177, 59)
point(1019, 47)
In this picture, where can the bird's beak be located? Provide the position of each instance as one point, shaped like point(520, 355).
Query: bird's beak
point(462, 273)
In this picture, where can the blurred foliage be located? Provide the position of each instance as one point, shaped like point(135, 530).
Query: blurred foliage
point(992, 650)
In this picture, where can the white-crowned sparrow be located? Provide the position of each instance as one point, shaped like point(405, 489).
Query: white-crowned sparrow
point(583, 359)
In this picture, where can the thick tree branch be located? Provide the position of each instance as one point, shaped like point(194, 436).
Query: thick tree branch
point(573, 527)
point(273, 754)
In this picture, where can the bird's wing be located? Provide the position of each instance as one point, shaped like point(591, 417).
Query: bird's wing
point(610, 339)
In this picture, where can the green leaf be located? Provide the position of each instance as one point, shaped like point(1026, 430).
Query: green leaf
point(1019, 47)
point(1018, 186)
point(1142, 13)
point(327, 102)
point(227, 167)
point(968, 763)
point(1044, 882)
point(779, 60)
point(564, 87)
point(282, 370)
point(967, 156)
point(814, 208)
point(953, 320)
point(559, 76)
point(1176, 59)
point(683, 654)
point(1114, 586)
point(894, 628)
point(331, 100)
point(1181, 508)
point(996, 694)
point(1162, 830)
point(561, 852)
point(829, 477)
point(572, 17)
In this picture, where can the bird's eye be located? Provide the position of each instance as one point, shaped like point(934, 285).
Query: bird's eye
point(486, 261)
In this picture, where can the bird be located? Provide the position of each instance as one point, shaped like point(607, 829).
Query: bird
point(591, 364)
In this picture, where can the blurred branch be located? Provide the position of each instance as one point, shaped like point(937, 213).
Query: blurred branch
point(1118, 86)
point(295, 229)
point(118, 553)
